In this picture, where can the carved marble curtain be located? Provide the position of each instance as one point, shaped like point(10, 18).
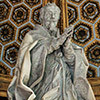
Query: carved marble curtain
point(17, 17)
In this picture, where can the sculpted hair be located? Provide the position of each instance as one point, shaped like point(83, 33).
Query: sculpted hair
point(43, 9)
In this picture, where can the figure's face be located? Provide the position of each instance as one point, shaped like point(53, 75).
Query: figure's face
point(51, 17)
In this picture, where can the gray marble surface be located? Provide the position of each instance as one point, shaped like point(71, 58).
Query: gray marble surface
point(49, 66)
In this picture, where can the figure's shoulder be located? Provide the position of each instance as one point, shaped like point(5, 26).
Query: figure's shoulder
point(39, 30)
point(36, 29)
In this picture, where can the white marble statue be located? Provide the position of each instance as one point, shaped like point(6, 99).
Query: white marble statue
point(49, 66)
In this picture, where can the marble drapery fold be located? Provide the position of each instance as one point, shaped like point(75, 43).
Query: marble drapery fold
point(19, 89)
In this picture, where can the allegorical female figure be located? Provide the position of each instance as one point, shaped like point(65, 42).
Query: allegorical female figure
point(49, 66)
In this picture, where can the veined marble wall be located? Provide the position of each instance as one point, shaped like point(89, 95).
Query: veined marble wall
point(17, 17)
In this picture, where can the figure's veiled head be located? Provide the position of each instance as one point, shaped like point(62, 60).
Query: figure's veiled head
point(49, 15)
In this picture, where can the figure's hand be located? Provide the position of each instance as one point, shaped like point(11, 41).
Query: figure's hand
point(62, 40)
point(69, 31)
point(65, 36)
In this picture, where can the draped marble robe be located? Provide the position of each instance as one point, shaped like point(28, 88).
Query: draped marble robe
point(34, 79)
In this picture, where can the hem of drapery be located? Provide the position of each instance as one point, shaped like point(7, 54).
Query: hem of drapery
point(32, 97)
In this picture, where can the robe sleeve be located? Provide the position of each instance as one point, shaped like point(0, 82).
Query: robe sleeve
point(18, 89)
point(81, 83)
